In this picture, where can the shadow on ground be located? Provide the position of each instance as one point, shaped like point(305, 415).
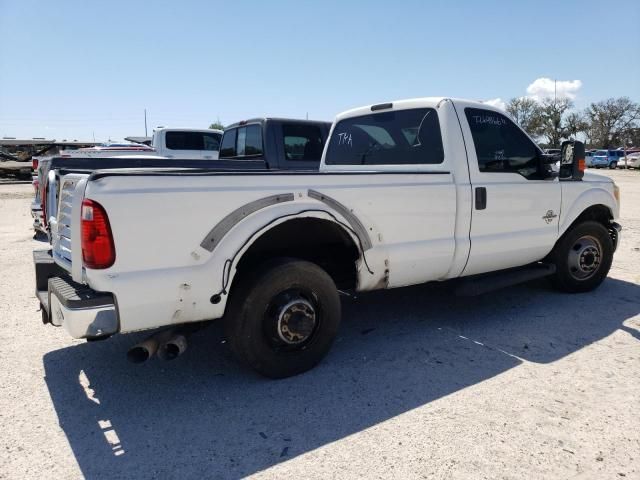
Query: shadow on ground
point(397, 350)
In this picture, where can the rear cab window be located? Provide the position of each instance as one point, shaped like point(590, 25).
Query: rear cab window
point(398, 137)
point(302, 143)
point(501, 146)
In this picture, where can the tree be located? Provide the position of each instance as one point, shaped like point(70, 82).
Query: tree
point(554, 122)
point(576, 123)
point(527, 113)
point(612, 120)
point(217, 125)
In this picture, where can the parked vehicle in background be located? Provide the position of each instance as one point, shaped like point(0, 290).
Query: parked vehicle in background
point(258, 144)
point(43, 156)
point(166, 142)
point(606, 158)
point(632, 160)
point(19, 157)
point(280, 143)
point(588, 157)
point(408, 192)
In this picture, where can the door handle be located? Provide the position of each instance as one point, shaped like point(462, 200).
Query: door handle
point(481, 198)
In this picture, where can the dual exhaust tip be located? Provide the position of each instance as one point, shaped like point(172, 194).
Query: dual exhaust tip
point(167, 344)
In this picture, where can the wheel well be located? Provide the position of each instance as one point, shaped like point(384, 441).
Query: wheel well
point(320, 241)
point(598, 213)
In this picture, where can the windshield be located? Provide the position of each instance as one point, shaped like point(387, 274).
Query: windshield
point(601, 153)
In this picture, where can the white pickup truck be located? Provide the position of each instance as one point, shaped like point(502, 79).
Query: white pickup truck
point(408, 192)
point(166, 143)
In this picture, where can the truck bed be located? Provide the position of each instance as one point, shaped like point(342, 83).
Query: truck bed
point(90, 164)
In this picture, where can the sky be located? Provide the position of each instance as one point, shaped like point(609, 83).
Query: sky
point(83, 70)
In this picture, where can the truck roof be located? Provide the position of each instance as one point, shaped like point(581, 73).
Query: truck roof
point(278, 119)
point(163, 129)
point(411, 103)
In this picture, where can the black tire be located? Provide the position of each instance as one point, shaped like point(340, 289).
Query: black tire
point(582, 257)
point(282, 319)
point(613, 165)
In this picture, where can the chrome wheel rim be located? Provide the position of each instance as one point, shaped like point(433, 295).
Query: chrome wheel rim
point(585, 257)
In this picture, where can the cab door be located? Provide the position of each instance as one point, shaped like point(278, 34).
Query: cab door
point(516, 203)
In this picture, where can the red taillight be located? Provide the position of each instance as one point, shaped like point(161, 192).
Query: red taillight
point(98, 250)
point(34, 163)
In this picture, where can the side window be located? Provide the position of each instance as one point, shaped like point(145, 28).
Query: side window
point(302, 142)
point(211, 141)
point(500, 145)
point(400, 137)
point(228, 146)
point(253, 142)
point(242, 142)
point(184, 140)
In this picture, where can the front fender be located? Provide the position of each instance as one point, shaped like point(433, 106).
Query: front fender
point(584, 200)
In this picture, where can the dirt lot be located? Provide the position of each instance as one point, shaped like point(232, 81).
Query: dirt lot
point(523, 383)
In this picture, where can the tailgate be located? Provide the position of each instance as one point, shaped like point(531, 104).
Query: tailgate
point(64, 224)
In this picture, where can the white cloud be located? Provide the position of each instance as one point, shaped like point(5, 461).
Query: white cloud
point(496, 102)
point(543, 87)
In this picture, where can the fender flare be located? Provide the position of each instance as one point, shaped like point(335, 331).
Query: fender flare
point(587, 199)
point(247, 224)
point(224, 226)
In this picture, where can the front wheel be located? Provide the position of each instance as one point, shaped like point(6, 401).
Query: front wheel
point(282, 319)
point(613, 165)
point(582, 257)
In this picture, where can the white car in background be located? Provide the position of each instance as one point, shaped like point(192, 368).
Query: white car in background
point(630, 161)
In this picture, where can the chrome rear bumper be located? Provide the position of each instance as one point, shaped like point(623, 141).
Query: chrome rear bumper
point(83, 312)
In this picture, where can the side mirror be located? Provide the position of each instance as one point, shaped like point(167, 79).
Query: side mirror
point(572, 162)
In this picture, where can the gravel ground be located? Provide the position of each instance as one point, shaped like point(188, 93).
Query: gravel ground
point(523, 383)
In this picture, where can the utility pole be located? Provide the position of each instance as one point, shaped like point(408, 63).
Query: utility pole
point(145, 122)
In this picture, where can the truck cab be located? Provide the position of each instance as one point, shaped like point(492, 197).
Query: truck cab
point(283, 144)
